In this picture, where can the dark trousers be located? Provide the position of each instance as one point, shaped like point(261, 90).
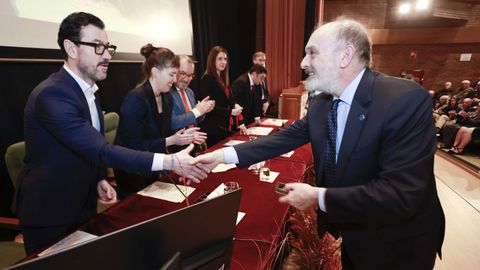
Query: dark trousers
point(36, 238)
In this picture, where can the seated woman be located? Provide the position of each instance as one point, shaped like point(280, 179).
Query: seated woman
point(464, 137)
point(145, 116)
point(225, 117)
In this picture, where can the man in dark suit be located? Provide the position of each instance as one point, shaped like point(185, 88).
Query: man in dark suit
point(243, 91)
point(373, 142)
point(264, 99)
point(185, 110)
point(66, 152)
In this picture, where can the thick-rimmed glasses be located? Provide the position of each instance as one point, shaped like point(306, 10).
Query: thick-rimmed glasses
point(99, 47)
point(185, 75)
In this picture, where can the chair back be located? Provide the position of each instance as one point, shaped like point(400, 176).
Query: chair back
point(111, 123)
point(14, 159)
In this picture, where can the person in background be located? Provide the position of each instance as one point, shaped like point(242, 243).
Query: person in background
point(185, 110)
point(264, 99)
point(145, 117)
point(243, 90)
point(373, 143)
point(226, 116)
point(66, 151)
point(446, 90)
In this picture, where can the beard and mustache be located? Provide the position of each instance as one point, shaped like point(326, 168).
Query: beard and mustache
point(325, 81)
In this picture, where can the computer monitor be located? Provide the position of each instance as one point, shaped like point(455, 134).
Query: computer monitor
point(202, 233)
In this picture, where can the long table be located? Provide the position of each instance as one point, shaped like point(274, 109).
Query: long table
point(258, 232)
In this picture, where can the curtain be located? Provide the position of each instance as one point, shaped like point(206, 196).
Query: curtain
point(284, 43)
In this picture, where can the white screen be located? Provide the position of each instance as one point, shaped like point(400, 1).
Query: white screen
point(130, 24)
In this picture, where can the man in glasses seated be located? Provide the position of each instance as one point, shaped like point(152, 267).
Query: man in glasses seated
point(185, 110)
point(66, 152)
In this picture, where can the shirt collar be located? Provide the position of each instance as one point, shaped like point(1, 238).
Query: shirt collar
point(83, 84)
point(349, 92)
point(251, 80)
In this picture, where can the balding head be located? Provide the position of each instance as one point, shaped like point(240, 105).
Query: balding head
point(335, 53)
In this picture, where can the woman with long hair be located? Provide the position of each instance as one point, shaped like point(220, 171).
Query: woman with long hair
point(226, 116)
point(145, 118)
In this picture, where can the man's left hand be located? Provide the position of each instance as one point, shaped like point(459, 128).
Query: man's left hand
point(106, 193)
point(243, 129)
point(300, 195)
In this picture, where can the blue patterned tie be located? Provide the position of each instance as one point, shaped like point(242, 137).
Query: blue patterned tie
point(330, 163)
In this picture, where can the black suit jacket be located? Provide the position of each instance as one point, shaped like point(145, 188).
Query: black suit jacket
point(217, 122)
point(65, 156)
point(246, 97)
point(384, 200)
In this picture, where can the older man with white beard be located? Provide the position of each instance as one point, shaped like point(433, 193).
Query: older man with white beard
point(373, 143)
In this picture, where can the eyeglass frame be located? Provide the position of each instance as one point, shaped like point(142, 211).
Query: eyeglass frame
point(186, 75)
point(98, 45)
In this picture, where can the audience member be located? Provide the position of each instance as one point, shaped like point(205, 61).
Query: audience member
point(185, 111)
point(447, 90)
point(447, 115)
point(243, 90)
point(66, 151)
point(464, 136)
point(226, 116)
point(464, 90)
point(145, 117)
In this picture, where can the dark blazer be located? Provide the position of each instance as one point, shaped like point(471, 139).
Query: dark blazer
point(180, 118)
point(263, 96)
point(245, 96)
point(384, 200)
point(65, 156)
point(217, 122)
point(142, 128)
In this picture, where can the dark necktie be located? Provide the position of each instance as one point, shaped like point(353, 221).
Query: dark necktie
point(330, 162)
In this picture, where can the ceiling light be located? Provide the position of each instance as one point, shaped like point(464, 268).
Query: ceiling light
point(404, 8)
point(422, 4)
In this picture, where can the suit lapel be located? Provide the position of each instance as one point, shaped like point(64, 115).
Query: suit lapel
point(357, 117)
point(78, 91)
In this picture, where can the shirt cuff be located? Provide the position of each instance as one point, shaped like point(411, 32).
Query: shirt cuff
point(321, 199)
point(230, 155)
point(257, 118)
point(157, 164)
point(196, 112)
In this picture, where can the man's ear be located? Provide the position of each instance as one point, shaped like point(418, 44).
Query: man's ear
point(347, 56)
point(70, 48)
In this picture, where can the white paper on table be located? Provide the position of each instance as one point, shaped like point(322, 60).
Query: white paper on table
point(240, 215)
point(289, 154)
point(167, 192)
point(259, 130)
point(222, 167)
point(274, 122)
point(233, 142)
point(272, 177)
point(220, 190)
point(68, 242)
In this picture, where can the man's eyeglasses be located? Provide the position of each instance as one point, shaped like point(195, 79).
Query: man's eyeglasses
point(99, 47)
point(185, 75)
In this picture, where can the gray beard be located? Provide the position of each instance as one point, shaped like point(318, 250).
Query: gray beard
point(315, 85)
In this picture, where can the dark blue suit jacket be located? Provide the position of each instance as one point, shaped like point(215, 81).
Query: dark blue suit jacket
point(384, 200)
point(141, 127)
point(180, 118)
point(65, 156)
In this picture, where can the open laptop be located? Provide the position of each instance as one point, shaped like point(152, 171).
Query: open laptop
point(202, 233)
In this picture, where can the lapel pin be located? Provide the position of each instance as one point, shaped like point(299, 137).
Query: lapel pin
point(361, 117)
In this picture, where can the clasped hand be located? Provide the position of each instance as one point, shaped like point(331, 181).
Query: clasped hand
point(183, 166)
